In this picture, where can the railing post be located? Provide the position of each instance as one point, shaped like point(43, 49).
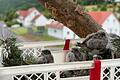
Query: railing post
point(102, 69)
point(112, 71)
point(1, 56)
point(35, 52)
point(95, 72)
point(46, 76)
point(58, 75)
point(12, 77)
point(66, 48)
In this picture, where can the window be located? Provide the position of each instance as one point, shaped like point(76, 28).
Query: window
point(115, 30)
point(55, 31)
point(68, 33)
point(110, 30)
point(114, 20)
point(35, 13)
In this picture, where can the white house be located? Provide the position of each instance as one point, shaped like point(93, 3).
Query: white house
point(31, 17)
point(60, 31)
point(117, 0)
point(108, 21)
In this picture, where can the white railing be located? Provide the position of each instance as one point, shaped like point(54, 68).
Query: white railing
point(110, 70)
point(46, 43)
point(35, 48)
point(43, 71)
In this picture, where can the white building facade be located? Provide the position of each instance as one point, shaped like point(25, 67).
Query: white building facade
point(58, 30)
point(111, 25)
point(117, 0)
point(108, 21)
point(40, 21)
point(31, 17)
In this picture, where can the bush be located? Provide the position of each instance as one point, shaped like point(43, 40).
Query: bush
point(12, 54)
point(103, 7)
point(10, 23)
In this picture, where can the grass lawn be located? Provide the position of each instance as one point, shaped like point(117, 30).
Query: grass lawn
point(47, 38)
point(19, 31)
point(39, 37)
point(22, 31)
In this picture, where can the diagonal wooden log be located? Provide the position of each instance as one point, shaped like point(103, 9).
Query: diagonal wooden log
point(71, 15)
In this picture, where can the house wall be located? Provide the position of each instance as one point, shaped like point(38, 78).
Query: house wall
point(58, 33)
point(69, 34)
point(64, 33)
point(28, 19)
point(112, 25)
point(117, 0)
point(26, 22)
point(20, 19)
point(41, 21)
point(33, 14)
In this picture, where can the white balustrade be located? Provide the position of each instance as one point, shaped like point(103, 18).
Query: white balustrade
point(110, 69)
point(42, 71)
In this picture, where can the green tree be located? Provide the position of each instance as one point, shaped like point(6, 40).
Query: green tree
point(103, 7)
point(83, 2)
point(9, 17)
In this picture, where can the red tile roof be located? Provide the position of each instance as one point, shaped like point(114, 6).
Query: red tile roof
point(55, 24)
point(25, 13)
point(100, 17)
